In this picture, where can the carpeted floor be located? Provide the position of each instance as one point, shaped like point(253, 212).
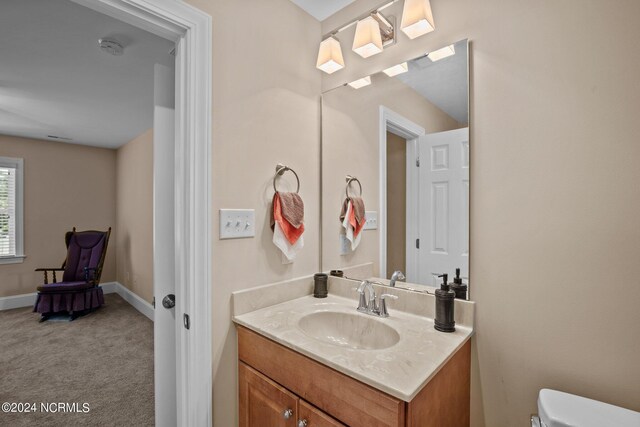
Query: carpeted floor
point(104, 359)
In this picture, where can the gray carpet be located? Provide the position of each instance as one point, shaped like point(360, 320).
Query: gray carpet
point(104, 359)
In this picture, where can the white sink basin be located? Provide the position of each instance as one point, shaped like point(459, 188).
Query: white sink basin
point(355, 331)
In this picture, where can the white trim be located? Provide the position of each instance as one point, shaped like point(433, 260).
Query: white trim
point(134, 300)
point(14, 259)
point(191, 29)
point(110, 287)
point(401, 126)
point(412, 231)
point(18, 164)
point(17, 301)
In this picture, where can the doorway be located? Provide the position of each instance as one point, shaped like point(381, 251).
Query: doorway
point(191, 239)
point(182, 238)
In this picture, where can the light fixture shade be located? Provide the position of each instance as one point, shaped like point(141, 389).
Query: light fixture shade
point(396, 69)
point(437, 55)
point(367, 40)
point(330, 57)
point(417, 18)
point(357, 84)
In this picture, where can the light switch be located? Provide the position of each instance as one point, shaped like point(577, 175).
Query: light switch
point(371, 220)
point(237, 223)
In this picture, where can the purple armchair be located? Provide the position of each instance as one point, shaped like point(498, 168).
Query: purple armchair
point(80, 291)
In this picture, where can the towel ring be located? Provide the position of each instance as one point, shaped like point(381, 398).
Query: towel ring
point(280, 170)
point(349, 180)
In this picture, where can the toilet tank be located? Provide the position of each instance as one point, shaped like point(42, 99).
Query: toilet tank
point(558, 409)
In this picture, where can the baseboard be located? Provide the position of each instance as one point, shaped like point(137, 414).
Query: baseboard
point(138, 303)
point(28, 300)
point(17, 301)
point(110, 287)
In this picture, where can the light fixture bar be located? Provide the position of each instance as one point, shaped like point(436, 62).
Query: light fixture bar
point(387, 30)
point(359, 18)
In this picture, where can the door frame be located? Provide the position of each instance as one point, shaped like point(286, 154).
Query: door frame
point(191, 30)
point(399, 125)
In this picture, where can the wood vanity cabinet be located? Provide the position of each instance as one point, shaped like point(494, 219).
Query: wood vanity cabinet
point(265, 403)
point(273, 379)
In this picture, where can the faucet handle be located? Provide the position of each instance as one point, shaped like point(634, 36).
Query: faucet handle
point(362, 303)
point(383, 304)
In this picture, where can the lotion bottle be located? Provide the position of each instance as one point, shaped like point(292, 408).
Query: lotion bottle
point(444, 321)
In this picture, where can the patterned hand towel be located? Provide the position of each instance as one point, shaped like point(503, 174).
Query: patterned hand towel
point(292, 233)
point(292, 208)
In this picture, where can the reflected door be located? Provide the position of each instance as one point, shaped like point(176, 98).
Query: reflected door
point(443, 194)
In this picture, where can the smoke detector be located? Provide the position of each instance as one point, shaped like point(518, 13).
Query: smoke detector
point(111, 46)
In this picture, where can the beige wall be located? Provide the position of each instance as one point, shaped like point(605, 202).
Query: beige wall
point(265, 110)
point(555, 228)
point(65, 185)
point(350, 147)
point(134, 215)
point(397, 200)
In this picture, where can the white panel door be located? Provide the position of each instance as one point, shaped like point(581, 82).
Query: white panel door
point(164, 328)
point(443, 193)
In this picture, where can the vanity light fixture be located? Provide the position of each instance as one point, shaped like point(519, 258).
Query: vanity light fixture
point(330, 57)
point(441, 53)
point(374, 32)
point(396, 69)
point(357, 84)
point(367, 41)
point(417, 18)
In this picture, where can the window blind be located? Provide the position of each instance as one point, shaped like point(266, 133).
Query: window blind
point(7, 211)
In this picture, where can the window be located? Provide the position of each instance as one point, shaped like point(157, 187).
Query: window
point(11, 214)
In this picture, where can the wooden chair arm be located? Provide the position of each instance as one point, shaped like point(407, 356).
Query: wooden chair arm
point(46, 273)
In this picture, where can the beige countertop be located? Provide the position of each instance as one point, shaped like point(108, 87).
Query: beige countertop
point(400, 370)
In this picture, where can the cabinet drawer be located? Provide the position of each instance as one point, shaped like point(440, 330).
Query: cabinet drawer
point(344, 398)
point(314, 417)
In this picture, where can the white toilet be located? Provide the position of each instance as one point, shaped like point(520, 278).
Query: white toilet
point(558, 409)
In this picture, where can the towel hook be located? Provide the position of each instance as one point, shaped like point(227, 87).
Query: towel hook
point(349, 180)
point(280, 170)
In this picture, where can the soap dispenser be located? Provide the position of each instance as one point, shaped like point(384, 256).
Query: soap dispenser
point(458, 287)
point(444, 321)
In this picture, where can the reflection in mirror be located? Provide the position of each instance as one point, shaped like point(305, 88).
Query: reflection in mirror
point(405, 136)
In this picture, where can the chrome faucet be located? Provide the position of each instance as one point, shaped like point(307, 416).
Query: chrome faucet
point(368, 303)
point(397, 275)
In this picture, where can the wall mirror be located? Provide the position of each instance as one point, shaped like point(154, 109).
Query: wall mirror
point(404, 134)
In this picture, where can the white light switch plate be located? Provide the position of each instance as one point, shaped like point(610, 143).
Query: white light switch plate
point(237, 223)
point(371, 220)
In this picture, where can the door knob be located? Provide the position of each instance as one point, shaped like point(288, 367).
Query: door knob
point(302, 423)
point(288, 413)
point(169, 301)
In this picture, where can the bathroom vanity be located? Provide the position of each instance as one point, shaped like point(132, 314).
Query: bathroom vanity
point(307, 362)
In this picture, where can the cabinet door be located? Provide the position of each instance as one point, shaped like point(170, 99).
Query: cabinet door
point(314, 417)
point(263, 402)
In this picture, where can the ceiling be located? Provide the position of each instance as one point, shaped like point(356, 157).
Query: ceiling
point(445, 82)
point(54, 80)
point(322, 9)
